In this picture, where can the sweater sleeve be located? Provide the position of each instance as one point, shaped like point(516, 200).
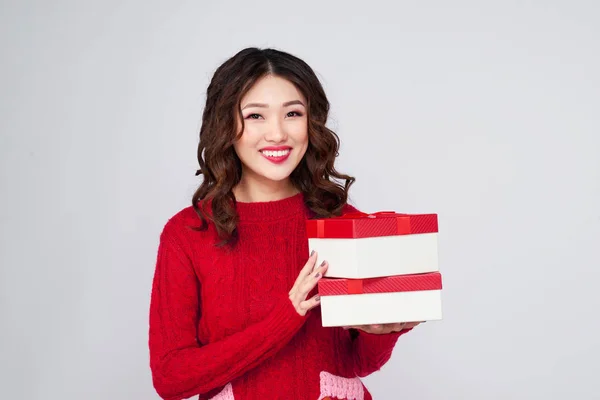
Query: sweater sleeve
point(371, 352)
point(181, 366)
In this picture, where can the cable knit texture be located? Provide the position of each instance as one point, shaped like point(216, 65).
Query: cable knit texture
point(222, 325)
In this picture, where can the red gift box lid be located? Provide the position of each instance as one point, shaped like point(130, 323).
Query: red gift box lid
point(388, 284)
point(361, 225)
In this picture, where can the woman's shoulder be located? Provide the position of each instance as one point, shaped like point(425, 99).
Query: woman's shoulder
point(182, 216)
point(183, 224)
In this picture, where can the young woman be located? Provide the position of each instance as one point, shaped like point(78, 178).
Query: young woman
point(234, 311)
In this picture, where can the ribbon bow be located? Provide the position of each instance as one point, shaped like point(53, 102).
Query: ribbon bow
point(358, 214)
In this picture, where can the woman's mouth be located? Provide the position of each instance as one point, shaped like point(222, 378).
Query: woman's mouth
point(276, 156)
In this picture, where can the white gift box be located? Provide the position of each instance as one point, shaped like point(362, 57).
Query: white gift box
point(403, 298)
point(358, 245)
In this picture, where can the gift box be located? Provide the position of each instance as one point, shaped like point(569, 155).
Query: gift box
point(359, 245)
point(394, 299)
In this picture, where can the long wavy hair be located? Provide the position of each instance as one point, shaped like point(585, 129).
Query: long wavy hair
point(221, 169)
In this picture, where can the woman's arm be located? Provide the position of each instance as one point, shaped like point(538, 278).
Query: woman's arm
point(372, 351)
point(181, 367)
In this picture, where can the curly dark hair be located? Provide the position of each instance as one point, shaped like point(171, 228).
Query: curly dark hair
point(315, 176)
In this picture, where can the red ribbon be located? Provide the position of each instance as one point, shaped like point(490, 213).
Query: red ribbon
point(320, 228)
point(355, 286)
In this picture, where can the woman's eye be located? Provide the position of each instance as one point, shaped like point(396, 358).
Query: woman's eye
point(294, 114)
point(253, 116)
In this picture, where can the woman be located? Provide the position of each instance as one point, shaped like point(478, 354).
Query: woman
point(234, 312)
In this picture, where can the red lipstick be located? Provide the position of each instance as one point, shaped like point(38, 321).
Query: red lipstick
point(276, 154)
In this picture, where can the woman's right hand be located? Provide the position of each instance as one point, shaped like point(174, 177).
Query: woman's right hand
point(306, 281)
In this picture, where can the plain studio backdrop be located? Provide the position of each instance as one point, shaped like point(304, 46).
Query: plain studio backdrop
point(486, 113)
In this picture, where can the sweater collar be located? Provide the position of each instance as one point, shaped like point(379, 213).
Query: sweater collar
point(271, 210)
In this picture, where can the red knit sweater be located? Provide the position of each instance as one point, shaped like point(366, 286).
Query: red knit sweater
point(222, 325)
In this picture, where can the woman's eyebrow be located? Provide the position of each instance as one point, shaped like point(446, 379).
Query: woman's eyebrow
point(291, 103)
point(263, 105)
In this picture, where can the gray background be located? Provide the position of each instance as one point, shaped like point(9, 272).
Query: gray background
point(484, 112)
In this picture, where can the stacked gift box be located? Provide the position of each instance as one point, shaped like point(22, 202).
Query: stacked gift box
point(383, 268)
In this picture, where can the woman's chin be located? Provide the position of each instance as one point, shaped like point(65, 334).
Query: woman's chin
point(276, 177)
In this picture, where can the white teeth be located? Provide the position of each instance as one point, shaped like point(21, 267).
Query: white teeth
point(278, 153)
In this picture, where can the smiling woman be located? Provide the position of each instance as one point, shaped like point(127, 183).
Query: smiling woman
point(234, 313)
point(260, 101)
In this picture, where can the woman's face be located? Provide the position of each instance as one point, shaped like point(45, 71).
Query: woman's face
point(275, 135)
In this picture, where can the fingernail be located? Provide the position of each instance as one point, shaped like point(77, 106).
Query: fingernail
point(317, 298)
point(312, 253)
point(318, 275)
point(322, 264)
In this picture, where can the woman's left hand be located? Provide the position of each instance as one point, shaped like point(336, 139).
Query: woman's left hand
point(381, 329)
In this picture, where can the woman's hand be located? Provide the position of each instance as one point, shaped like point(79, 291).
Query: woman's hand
point(382, 329)
point(306, 281)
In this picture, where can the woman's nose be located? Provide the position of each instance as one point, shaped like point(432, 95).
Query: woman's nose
point(276, 132)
